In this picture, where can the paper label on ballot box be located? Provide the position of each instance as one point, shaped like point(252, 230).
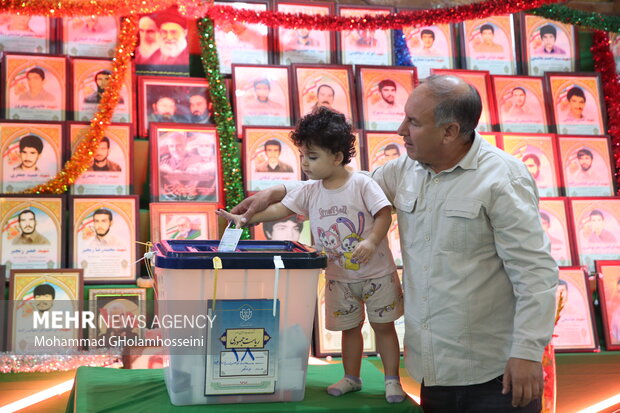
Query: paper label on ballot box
point(242, 347)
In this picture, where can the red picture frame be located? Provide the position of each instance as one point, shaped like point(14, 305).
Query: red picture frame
point(364, 46)
point(608, 288)
point(520, 103)
point(554, 216)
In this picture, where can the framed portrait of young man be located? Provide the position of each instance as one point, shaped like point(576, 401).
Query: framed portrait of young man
point(384, 92)
point(303, 45)
point(32, 232)
point(554, 219)
point(489, 44)
point(118, 314)
point(575, 330)
point(494, 138)
point(586, 165)
point(111, 171)
point(262, 96)
point(431, 47)
point(185, 164)
point(614, 39)
point(90, 36)
point(548, 45)
point(239, 42)
point(35, 294)
point(538, 153)
point(608, 288)
point(365, 46)
point(328, 343)
point(34, 87)
point(382, 147)
point(269, 157)
point(520, 103)
point(182, 220)
point(31, 154)
point(596, 222)
point(330, 86)
point(90, 79)
point(25, 34)
point(163, 47)
point(577, 103)
point(173, 100)
point(357, 163)
point(481, 80)
point(103, 238)
point(292, 228)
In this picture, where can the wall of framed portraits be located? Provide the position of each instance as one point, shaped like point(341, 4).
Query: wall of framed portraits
point(158, 172)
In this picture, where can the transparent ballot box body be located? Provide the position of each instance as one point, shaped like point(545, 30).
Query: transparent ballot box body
point(252, 352)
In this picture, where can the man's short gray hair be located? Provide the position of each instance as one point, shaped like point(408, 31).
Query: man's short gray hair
point(462, 108)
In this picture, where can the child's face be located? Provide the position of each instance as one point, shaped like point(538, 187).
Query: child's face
point(319, 163)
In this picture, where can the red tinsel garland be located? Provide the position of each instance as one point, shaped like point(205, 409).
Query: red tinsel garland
point(604, 64)
point(386, 21)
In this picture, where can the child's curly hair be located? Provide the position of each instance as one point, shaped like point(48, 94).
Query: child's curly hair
point(327, 129)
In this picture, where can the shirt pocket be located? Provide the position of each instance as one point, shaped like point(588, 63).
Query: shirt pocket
point(406, 204)
point(461, 225)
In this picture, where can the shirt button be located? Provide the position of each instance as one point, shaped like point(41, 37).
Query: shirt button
point(426, 268)
point(436, 180)
point(424, 299)
point(425, 326)
point(430, 209)
point(427, 238)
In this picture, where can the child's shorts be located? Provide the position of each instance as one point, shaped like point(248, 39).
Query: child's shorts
point(344, 302)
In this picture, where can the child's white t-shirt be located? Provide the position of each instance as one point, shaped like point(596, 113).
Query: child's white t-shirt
point(338, 217)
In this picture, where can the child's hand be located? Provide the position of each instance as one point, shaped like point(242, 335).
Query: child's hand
point(363, 251)
point(235, 219)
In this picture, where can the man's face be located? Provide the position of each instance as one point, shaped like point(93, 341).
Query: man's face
point(427, 40)
point(148, 31)
point(576, 105)
point(518, 98)
point(272, 152)
point(325, 97)
point(390, 154)
point(43, 302)
point(597, 223)
point(183, 224)
point(487, 36)
point(421, 137)
point(548, 40)
point(101, 154)
point(388, 93)
point(262, 92)
point(285, 231)
point(172, 39)
point(197, 105)
point(206, 148)
point(176, 147)
point(29, 157)
point(585, 161)
point(102, 81)
point(35, 82)
point(27, 223)
point(165, 106)
point(102, 224)
point(532, 167)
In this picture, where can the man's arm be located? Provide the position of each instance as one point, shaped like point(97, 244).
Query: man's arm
point(521, 244)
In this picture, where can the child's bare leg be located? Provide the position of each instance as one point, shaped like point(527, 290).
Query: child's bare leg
point(352, 348)
point(387, 346)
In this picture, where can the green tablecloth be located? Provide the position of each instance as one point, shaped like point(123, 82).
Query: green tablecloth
point(99, 389)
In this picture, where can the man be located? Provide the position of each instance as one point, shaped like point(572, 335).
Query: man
point(576, 104)
point(287, 229)
point(102, 223)
point(44, 295)
point(391, 151)
point(427, 37)
point(532, 162)
point(184, 229)
point(301, 41)
point(363, 38)
point(175, 167)
point(386, 114)
point(101, 163)
point(558, 250)
point(585, 175)
point(173, 49)
point(165, 110)
point(548, 36)
point(27, 222)
point(598, 233)
point(205, 169)
point(325, 96)
point(36, 92)
point(273, 149)
point(387, 90)
point(199, 107)
point(102, 79)
point(30, 148)
point(149, 40)
point(262, 110)
point(487, 45)
point(479, 280)
point(515, 108)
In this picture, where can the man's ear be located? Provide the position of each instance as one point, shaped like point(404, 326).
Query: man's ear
point(451, 132)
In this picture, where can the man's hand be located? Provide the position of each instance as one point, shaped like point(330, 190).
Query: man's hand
point(258, 202)
point(525, 379)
